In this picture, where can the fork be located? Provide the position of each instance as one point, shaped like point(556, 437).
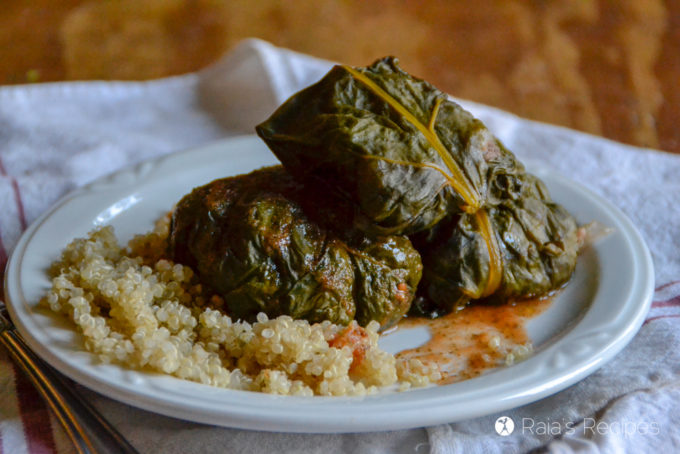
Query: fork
point(85, 426)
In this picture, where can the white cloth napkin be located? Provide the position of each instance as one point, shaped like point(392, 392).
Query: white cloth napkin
point(55, 137)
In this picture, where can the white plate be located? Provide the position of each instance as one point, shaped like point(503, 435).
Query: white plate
point(600, 311)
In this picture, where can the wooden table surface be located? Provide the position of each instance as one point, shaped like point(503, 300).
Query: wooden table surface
point(607, 67)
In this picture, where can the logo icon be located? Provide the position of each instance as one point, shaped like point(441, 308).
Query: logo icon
point(504, 426)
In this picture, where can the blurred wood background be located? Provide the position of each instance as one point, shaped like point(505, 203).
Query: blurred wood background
point(607, 67)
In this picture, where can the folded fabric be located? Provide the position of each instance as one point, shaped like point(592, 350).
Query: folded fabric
point(55, 137)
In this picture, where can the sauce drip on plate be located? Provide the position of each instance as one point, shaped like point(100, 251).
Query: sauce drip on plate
point(466, 343)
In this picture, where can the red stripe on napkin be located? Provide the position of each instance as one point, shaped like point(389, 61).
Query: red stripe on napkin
point(20, 204)
point(17, 195)
point(34, 416)
point(675, 301)
point(661, 316)
point(3, 259)
point(666, 285)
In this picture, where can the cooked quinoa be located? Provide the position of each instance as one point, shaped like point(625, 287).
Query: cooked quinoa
point(140, 310)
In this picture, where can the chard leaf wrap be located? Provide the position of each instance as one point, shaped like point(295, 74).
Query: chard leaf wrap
point(250, 238)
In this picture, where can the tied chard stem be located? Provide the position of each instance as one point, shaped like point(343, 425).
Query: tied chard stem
point(495, 262)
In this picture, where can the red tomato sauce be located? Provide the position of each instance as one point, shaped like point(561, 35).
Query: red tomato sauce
point(467, 343)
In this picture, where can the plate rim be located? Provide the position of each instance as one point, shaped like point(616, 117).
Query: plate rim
point(266, 412)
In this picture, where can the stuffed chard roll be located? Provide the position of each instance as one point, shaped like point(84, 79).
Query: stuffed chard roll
point(251, 239)
point(393, 145)
point(538, 242)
